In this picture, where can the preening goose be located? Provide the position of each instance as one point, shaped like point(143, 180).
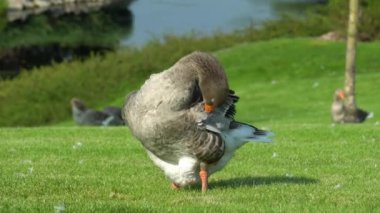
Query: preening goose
point(337, 107)
point(340, 113)
point(183, 117)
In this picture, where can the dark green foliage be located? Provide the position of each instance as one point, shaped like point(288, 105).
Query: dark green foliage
point(3, 20)
point(369, 20)
point(3, 6)
point(290, 26)
point(102, 28)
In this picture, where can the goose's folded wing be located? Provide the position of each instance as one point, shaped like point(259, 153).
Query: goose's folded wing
point(207, 146)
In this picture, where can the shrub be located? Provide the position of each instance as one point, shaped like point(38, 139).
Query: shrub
point(3, 18)
point(102, 28)
point(369, 21)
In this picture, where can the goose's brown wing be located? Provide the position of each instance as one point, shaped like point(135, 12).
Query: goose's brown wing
point(207, 146)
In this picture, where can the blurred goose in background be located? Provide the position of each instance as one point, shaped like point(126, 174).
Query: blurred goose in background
point(340, 112)
point(338, 108)
point(184, 117)
point(85, 116)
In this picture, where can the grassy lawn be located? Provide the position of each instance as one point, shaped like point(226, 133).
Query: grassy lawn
point(284, 85)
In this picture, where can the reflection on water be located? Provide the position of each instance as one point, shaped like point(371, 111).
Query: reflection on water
point(45, 38)
point(154, 18)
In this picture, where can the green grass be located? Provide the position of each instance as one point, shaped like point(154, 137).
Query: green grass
point(316, 168)
point(285, 85)
point(294, 80)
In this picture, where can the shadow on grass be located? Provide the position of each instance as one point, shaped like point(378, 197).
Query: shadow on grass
point(256, 181)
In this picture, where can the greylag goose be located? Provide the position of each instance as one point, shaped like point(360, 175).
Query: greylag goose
point(85, 116)
point(340, 113)
point(184, 117)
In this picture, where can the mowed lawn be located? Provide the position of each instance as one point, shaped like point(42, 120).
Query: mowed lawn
point(285, 85)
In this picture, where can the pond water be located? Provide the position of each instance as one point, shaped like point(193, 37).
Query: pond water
point(38, 40)
point(154, 18)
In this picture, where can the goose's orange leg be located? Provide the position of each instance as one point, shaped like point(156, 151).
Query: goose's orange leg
point(204, 177)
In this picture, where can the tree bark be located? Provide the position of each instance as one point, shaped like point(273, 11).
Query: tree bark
point(351, 54)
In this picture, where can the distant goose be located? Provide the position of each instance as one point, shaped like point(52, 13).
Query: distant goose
point(183, 116)
point(85, 116)
point(340, 112)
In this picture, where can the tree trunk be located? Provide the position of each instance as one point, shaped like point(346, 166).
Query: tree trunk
point(351, 54)
point(344, 109)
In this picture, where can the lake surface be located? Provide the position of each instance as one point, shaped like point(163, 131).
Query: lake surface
point(154, 18)
point(39, 40)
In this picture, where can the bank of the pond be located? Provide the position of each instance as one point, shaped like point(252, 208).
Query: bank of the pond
point(40, 41)
point(21, 10)
point(41, 98)
point(100, 79)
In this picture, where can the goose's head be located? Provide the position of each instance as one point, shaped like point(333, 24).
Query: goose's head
point(211, 77)
point(76, 103)
point(214, 95)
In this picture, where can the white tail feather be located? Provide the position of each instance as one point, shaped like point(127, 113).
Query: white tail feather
point(243, 133)
point(248, 133)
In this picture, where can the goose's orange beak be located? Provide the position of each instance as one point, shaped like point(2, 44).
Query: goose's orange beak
point(209, 108)
point(341, 95)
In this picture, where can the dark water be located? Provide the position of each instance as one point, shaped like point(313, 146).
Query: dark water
point(38, 40)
